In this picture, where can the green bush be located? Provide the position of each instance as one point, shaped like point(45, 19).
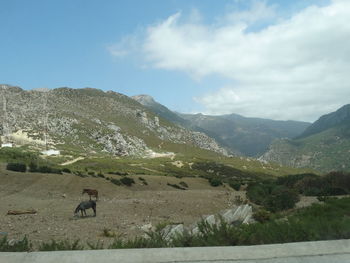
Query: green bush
point(258, 192)
point(292, 179)
point(48, 169)
point(17, 167)
point(262, 215)
point(116, 181)
point(235, 185)
point(15, 155)
point(334, 183)
point(100, 175)
point(281, 198)
point(143, 180)
point(61, 245)
point(127, 181)
point(33, 167)
point(66, 170)
point(183, 184)
point(176, 186)
point(80, 174)
point(273, 197)
point(215, 182)
point(119, 173)
point(18, 246)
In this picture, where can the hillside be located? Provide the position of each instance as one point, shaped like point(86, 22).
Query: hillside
point(90, 121)
point(324, 146)
point(341, 117)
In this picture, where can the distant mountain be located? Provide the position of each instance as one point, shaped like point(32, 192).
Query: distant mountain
point(339, 117)
point(249, 136)
point(324, 146)
point(90, 121)
point(241, 135)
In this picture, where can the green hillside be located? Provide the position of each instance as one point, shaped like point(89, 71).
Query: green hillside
point(324, 146)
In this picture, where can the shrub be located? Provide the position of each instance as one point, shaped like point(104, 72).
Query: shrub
point(119, 173)
point(33, 167)
point(100, 175)
point(273, 197)
point(18, 246)
point(17, 167)
point(235, 185)
point(127, 181)
point(215, 182)
point(66, 170)
point(262, 215)
point(61, 245)
point(281, 198)
point(80, 174)
point(15, 155)
point(258, 192)
point(292, 179)
point(176, 186)
point(183, 184)
point(108, 233)
point(116, 181)
point(92, 173)
point(48, 169)
point(143, 180)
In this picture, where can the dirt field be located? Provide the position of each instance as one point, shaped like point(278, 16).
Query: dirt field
point(121, 209)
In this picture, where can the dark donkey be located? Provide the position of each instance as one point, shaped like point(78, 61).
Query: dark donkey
point(91, 192)
point(85, 205)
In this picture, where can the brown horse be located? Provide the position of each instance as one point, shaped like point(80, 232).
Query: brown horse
point(91, 192)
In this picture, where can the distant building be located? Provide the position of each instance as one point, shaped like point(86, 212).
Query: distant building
point(51, 152)
point(9, 145)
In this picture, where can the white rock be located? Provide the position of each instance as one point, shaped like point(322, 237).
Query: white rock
point(171, 231)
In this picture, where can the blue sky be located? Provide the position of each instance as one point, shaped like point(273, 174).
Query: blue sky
point(172, 50)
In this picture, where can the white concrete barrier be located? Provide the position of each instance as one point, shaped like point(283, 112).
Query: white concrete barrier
point(336, 251)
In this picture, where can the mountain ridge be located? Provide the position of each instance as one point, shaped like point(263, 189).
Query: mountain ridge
point(239, 134)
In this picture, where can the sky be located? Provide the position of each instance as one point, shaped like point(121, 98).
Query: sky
point(277, 59)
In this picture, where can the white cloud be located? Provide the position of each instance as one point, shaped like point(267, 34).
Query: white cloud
point(297, 68)
point(258, 11)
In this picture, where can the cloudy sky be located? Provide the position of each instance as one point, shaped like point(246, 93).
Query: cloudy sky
point(271, 59)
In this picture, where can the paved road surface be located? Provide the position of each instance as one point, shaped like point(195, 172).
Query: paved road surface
point(336, 251)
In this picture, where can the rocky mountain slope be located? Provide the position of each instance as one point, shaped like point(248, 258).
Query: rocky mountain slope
point(324, 146)
point(89, 121)
point(246, 136)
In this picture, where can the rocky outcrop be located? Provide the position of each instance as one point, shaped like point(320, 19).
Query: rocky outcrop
point(242, 214)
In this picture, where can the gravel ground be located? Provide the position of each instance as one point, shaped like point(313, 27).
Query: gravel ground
point(122, 210)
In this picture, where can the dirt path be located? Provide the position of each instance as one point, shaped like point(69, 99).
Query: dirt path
point(73, 161)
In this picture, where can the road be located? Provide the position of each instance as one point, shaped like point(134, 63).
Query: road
point(336, 251)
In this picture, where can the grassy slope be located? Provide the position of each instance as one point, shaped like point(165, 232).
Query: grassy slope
point(325, 151)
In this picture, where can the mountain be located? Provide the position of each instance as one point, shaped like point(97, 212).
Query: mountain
point(337, 118)
point(249, 136)
point(90, 121)
point(238, 134)
point(160, 110)
point(324, 146)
